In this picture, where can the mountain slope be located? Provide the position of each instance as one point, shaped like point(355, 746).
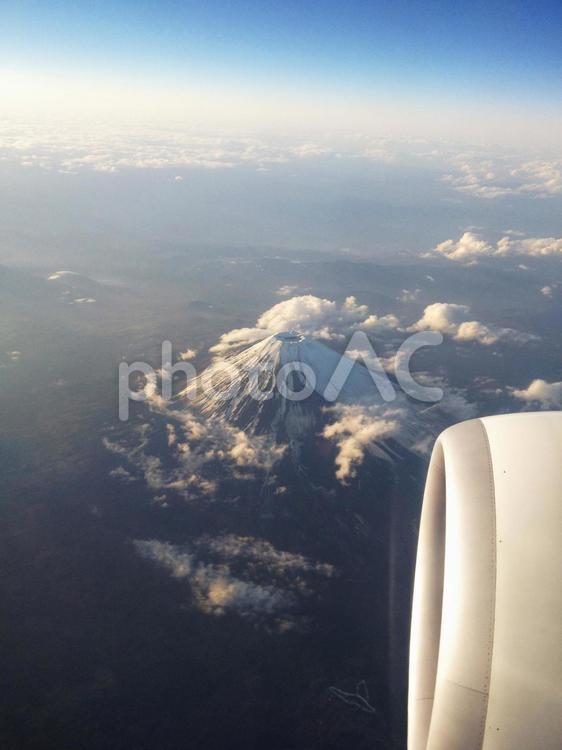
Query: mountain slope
point(280, 385)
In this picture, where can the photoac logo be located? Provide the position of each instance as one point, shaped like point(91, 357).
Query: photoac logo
point(294, 380)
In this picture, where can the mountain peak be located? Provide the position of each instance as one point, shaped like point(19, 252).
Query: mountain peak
point(280, 385)
point(289, 337)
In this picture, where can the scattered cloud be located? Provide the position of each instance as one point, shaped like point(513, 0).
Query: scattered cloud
point(58, 275)
point(454, 403)
point(454, 320)
point(547, 395)
point(187, 354)
point(215, 588)
point(286, 290)
point(268, 582)
point(379, 323)
point(531, 246)
point(122, 474)
point(409, 295)
point(499, 176)
point(172, 437)
point(361, 429)
point(470, 247)
point(481, 173)
point(252, 451)
point(261, 554)
point(195, 446)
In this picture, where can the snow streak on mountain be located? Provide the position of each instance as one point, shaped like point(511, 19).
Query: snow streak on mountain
point(294, 389)
point(281, 384)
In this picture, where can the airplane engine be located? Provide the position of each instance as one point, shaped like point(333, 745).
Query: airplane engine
point(486, 645)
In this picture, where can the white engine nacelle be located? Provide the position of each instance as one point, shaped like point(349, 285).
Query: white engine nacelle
point(486, 645)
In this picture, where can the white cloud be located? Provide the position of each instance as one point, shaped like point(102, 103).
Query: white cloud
point(313, 316)
point(379, 323)
point(473, 330)
point(188, 354)
point(453, 319)
point(470, 247)
point(310, 150)
point(286, 290)
point(122, 474)
point(58, 275)
point(195, 444)
point(238, 337)
point(361, 429)
point(263, 555)
point(409, 295)
point(467, 247)
point(548, 395)
point(499, 176)
point(546, 291)
point(454, 402)
point(248, 451)
point(111, 150)
point(215, 588)
point(358, 430)
point(268, 581)
point(531, 246)
point(442, 316)
point(171, 434)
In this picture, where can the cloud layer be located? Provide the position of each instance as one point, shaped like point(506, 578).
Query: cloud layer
point(492, 176)
point(112, 150)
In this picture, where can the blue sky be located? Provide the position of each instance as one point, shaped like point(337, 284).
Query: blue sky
point(502, 49)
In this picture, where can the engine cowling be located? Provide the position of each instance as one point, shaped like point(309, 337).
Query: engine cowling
point(486, 646)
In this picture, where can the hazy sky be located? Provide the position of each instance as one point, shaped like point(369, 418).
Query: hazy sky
point(486, 70)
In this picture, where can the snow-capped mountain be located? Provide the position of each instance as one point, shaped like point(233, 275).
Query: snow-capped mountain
point(292, 387)
point(281, 384)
